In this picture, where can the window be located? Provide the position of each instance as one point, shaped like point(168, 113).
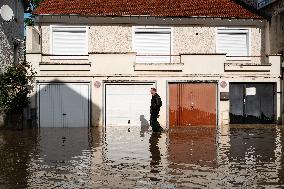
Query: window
point(233, 42)
point(152, 44)
point(69, 40)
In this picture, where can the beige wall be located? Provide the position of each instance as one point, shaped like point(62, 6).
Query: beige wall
point(110, 39)
point(111, 59)
point(185, 39)
point(121, 68)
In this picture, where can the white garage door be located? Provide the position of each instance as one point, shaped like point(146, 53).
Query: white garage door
point(63, 105)
point(127, 104)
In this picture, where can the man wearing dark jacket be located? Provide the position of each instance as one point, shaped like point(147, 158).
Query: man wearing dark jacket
point(156, 104)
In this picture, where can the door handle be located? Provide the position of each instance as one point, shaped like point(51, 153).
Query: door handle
point(64, 114)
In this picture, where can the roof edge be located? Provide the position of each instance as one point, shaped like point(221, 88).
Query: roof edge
point(123, 16)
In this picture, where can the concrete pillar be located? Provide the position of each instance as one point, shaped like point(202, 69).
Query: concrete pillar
point(162, 91)
point(97, 102)
point(224, 104)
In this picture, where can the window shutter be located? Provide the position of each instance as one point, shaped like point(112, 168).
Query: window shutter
point(233, 42)
point(151, 42)
point(69, 40)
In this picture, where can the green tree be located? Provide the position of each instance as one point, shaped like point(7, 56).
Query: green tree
point(15, 85)
point(33, 5)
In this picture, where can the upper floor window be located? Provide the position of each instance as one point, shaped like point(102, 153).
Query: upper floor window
point(152, 44)
point(233, 42)
point(69, 40)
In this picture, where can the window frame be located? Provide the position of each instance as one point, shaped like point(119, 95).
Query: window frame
point(246, 31)
point(153, 27)
point(69, 56)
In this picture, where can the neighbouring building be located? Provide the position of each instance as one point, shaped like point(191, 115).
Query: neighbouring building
point(12, 34)
point(210, 61)
point(274, 10)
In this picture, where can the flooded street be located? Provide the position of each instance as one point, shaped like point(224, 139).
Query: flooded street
point(198, 157)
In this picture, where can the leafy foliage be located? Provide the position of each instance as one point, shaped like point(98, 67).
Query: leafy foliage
point(33, 5)
point(15, 85)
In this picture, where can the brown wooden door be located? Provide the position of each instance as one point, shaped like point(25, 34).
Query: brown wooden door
point(192, 104)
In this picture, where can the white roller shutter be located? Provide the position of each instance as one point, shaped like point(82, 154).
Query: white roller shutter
point(69, 40)
point(154, 43)
point(233, 42)
point(127, 104)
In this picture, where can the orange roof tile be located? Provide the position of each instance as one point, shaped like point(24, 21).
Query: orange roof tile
point(164, 8)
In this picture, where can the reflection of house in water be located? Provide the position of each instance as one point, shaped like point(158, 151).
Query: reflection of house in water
point(254, 154)
point(65, 157)
point(16, 152)
point(196, 146)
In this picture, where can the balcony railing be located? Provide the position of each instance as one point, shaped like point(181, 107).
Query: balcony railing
point(154, 58)
point(248, 63)
point(248, 60)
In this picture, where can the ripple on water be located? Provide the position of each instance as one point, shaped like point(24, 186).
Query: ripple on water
point(196, 157)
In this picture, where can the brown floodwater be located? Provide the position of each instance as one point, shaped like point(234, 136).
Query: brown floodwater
point(197, 157)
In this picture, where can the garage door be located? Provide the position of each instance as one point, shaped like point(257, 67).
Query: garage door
point(63, 105)
point(127, 104)
point(192, 104)
point(252, 103)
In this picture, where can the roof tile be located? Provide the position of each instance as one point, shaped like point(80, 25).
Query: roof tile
point(164, 8)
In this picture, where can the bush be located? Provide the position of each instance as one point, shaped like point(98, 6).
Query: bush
point(15, 85)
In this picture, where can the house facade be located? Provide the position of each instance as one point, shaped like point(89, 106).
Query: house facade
point(210, 62)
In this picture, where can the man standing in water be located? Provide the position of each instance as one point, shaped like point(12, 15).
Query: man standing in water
point(156, 104)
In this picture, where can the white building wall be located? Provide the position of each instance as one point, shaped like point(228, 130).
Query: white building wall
point(111, 58)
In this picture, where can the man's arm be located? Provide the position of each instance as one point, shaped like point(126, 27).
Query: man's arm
point(158, 101)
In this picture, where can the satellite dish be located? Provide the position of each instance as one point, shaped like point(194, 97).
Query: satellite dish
point(6, 13)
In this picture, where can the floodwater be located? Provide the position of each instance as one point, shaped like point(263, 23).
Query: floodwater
point(197, 157)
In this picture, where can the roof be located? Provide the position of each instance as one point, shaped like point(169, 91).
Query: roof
point(158, 8)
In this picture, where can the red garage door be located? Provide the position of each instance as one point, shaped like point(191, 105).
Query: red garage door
point(192, 104)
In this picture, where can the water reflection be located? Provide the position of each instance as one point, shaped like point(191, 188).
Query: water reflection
point(197, 157)
point(155, 154)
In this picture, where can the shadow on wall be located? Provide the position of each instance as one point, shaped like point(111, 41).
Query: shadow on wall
point(144, 125)
point(61, 104)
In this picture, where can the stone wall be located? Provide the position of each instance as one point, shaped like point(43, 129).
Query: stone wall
point(11, 33)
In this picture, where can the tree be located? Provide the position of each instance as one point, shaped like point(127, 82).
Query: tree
point(15, 85)
point(33, 5)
